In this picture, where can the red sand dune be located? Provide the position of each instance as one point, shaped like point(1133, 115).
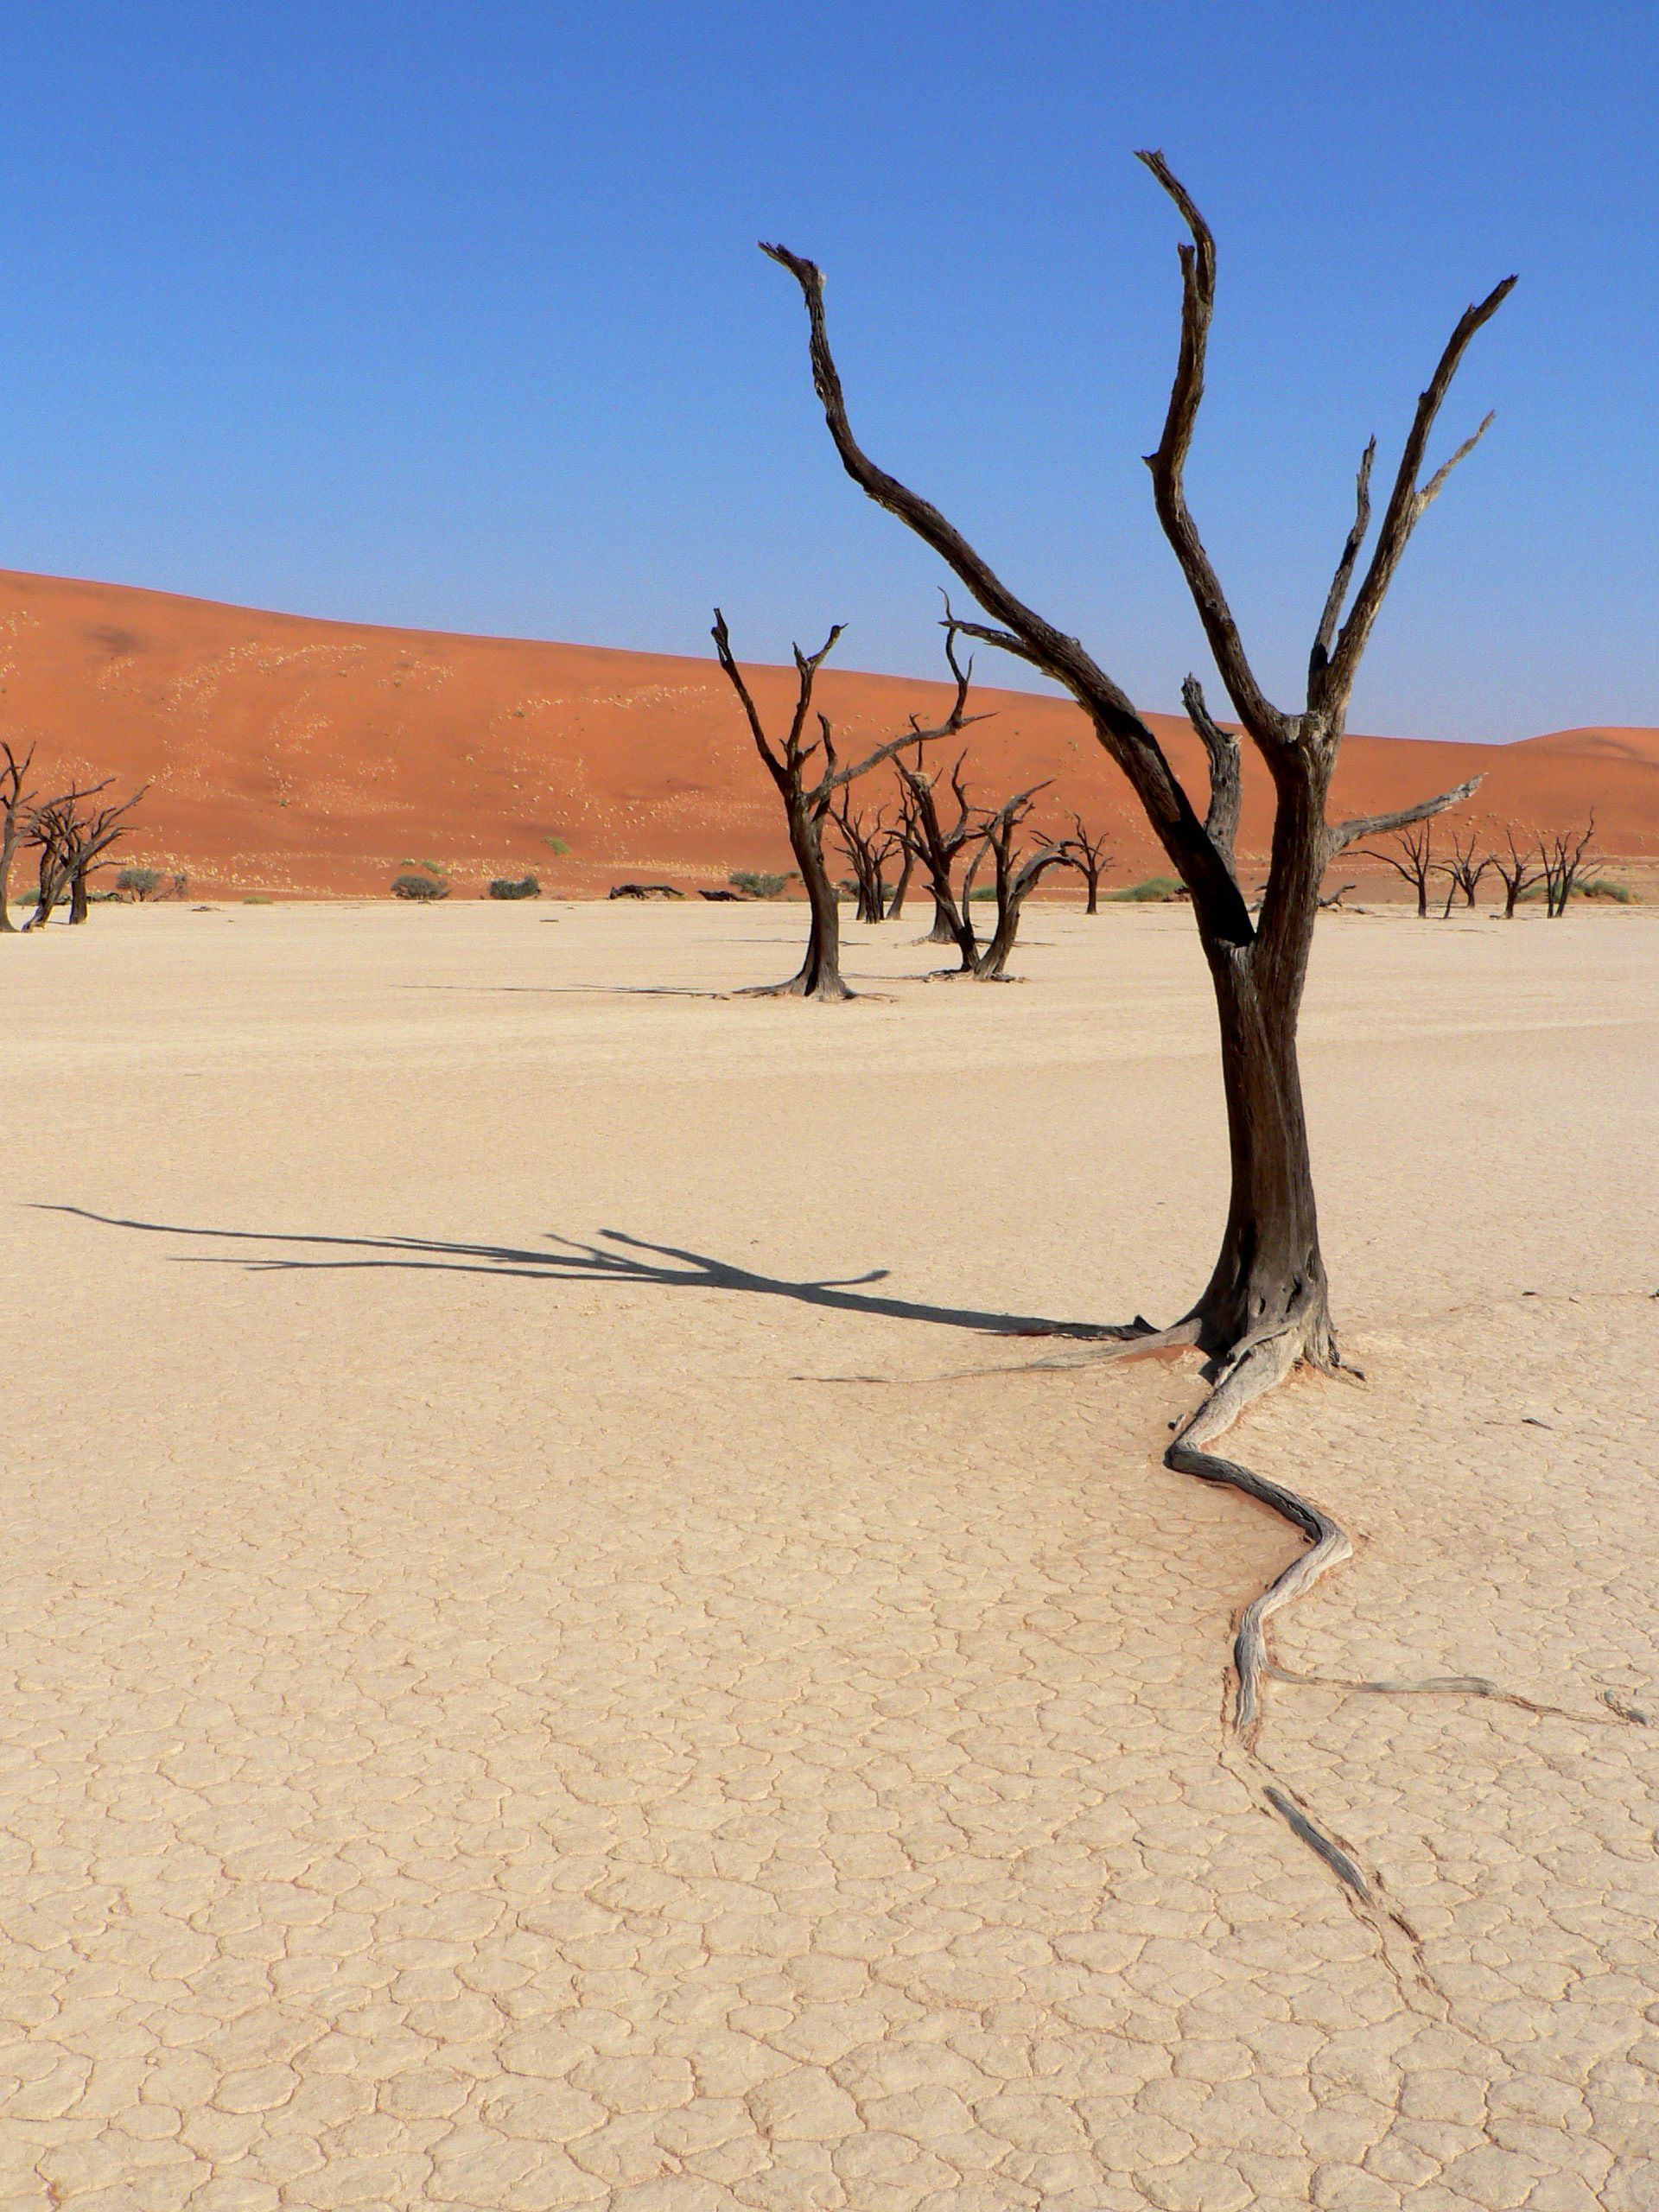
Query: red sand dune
point(309, 757)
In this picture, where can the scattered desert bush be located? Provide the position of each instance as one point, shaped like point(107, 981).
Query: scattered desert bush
point(418, 887)
point(138, 883)
point(557, 845)
point(258, 899)
point(1603, 886)
point(515, 887)
point(1148, 893)
point(756, 884)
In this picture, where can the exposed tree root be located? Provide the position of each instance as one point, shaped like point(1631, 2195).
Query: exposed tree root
point(1256, 1367)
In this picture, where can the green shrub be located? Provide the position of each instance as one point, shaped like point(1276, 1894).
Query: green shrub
point(258, 899)
point(756, 884)
point(514, 886)
point(1602, 886)
point(138, 883)
point(419, 888)
point(1155, 887)
point(983, 891)
point(557, 845)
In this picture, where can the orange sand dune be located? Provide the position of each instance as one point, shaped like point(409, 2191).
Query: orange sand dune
point(313, 757)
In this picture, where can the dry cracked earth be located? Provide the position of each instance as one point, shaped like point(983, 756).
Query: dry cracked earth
point(559, 1655)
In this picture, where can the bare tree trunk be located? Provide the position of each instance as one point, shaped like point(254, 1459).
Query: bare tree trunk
point(9, 838)
point(896, 904)
point(77, 907)
point(945, 929)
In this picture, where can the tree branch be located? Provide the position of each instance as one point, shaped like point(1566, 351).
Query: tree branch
point(1406, 502)
point(1221, 823)
point(1340, 583)
point(1263, 720)
point(1339, 835)
point(1130, 741)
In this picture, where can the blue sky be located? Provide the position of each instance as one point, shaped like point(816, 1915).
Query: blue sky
point(451, 316)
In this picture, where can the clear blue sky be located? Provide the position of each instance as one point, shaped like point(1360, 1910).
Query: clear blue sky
point(451, 316)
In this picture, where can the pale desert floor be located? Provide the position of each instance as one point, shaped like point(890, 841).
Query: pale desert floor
point(544, 1669)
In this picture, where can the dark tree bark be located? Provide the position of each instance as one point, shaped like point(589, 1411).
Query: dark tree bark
point(906, 863)
point(1564, 853)
point(808, 798)
point(1088, 856)
point(1412, 857)
point(1521, 873)
point(1016, 876)
point(1269, 1276)
point(936, 846)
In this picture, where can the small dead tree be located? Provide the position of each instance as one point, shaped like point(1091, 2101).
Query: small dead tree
point(870, 843)
point(1564, 853)
point(1088, 855)
point(18, 803)
point(72, 838)
point(936, 845)
point(906, 855)
point(1413, 856)
point(1266, 1306)
point(1517, 871)
point(808, 795)
point(1016, 876)
point(1464, 870)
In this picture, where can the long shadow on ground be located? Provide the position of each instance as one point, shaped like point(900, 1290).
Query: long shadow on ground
point(621, 1259)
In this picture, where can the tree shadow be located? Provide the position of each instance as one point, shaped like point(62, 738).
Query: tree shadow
point(620, 1259)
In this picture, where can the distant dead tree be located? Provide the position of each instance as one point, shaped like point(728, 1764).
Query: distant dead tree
point(1412, 857)
point(808, 795)
point(1517, 871)
point(1016, 876)
point(1087, 853)
point(871, 841)
point(935, 844)
point(18, 803)
point(907, 854)
point(1266, 1303)
point(1464, 870)
point(73, 836)
point(1563, 854)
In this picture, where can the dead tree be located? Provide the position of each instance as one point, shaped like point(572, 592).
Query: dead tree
point(1564, 853)
point(1088, 856)
point(1464, 871)
point(907, 856)
point(1016, 876)
point(808, 796)
point(936, 846)
point(18, 803)
point(1413, 858)
point(1520, 875)
point(1266, 1305)
point(870, 844)
point(73, 839)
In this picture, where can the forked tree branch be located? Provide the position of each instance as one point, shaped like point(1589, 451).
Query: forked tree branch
point(1225, 787)
point(1339, 835)
point(1406, 503)
point(1130, 741)
point(1259, 716)
point(1337, 595)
